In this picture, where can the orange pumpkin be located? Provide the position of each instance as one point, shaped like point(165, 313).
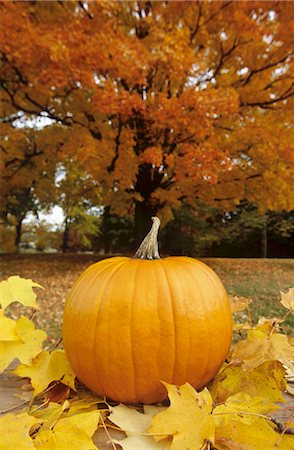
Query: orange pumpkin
point(130, 323)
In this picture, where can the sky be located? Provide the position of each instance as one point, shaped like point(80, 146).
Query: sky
point(54, 218)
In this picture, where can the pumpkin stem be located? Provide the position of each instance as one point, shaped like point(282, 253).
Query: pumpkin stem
point(149, 247)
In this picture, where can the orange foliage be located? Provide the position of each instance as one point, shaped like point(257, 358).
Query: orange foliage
point(159, 101)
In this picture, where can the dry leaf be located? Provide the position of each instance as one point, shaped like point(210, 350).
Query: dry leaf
point(239, 303)
point(14, 431)
point(231, 380)
point(187, 420)
point(7, 328)
point(259, 435)
point(243, 408)
point(135, 424)
point(45, 368)
point(72, 433)
point(28, 345)
point(259, 347)
point(20, 290)
point(288, 299)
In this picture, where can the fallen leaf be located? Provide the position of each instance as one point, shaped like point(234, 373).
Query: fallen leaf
point(28, 345)
point(135, 424)
point(45, 368)
point(7, 328)
point(242, 407)
point(259, 435)
point(288, 299)
point(258, 347)
point(187, 419)
point(14, 431)
point(20, 290)
point(231, 380)
point(58, 392)
point(239, 303)
point(50, 414)
point(268, 326)
point(132, 421)
point(72, 433)
point(137, 442)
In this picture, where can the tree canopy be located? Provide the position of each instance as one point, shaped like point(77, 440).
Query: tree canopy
point(159, 102)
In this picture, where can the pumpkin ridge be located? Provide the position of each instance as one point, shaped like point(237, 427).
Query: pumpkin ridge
point(216, 284)
point(116, 269)
point(173, 316)
point(77, 357)
point(204, 307)
point(75, 286)
point(175, 295)
point(98, 300)
point(157, 275)
point(132, 329)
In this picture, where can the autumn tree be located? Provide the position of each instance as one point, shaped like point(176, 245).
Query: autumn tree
point(162, 101)
point(79, 196)
point(29, 159)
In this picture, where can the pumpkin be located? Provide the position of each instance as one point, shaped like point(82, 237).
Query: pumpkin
point(130, 323)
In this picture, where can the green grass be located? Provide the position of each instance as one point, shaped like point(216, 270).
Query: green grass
point(262, 280)
point(259, 279)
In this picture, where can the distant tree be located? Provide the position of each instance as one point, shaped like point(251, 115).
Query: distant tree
point(192, 231)
point(116, 234)
point(79, 197)
point(248, 232)
point(201, 230)
point(41, 236)
point(29, 159)
point(164, 101)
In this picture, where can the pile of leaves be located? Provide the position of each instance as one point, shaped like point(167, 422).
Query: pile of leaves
point(235, 412)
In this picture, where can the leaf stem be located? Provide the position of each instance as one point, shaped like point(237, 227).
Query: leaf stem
point(108, 434)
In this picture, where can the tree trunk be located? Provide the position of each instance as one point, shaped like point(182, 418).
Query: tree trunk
point(18, 232)
point(264, 240)
point(65, 238)
point(105, 226)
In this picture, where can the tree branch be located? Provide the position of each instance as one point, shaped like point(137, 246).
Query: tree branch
point(196, 28)
point(111, 166)
point(266, 104)
point(261, 69)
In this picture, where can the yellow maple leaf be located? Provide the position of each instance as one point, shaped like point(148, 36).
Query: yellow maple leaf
point(258, 347)
point(268, 326)
point(259, 435)
point(7, 328)
point(89, 403)
point(242, 407)
point(136, 442)
point(231, 380)
point(20, 290)
point(134, 424)
point(26, 347)
point(288, 299)
point(70, 433)
point(131, 420)
point(45, 368)
point(14, 431)
point(241, 326)
point(187, 420)
point(239, 303)
point(51, 413)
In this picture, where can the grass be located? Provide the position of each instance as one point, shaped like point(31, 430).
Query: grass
point(259, 279)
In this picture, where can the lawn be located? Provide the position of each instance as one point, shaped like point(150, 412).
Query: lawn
point(260, 279)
